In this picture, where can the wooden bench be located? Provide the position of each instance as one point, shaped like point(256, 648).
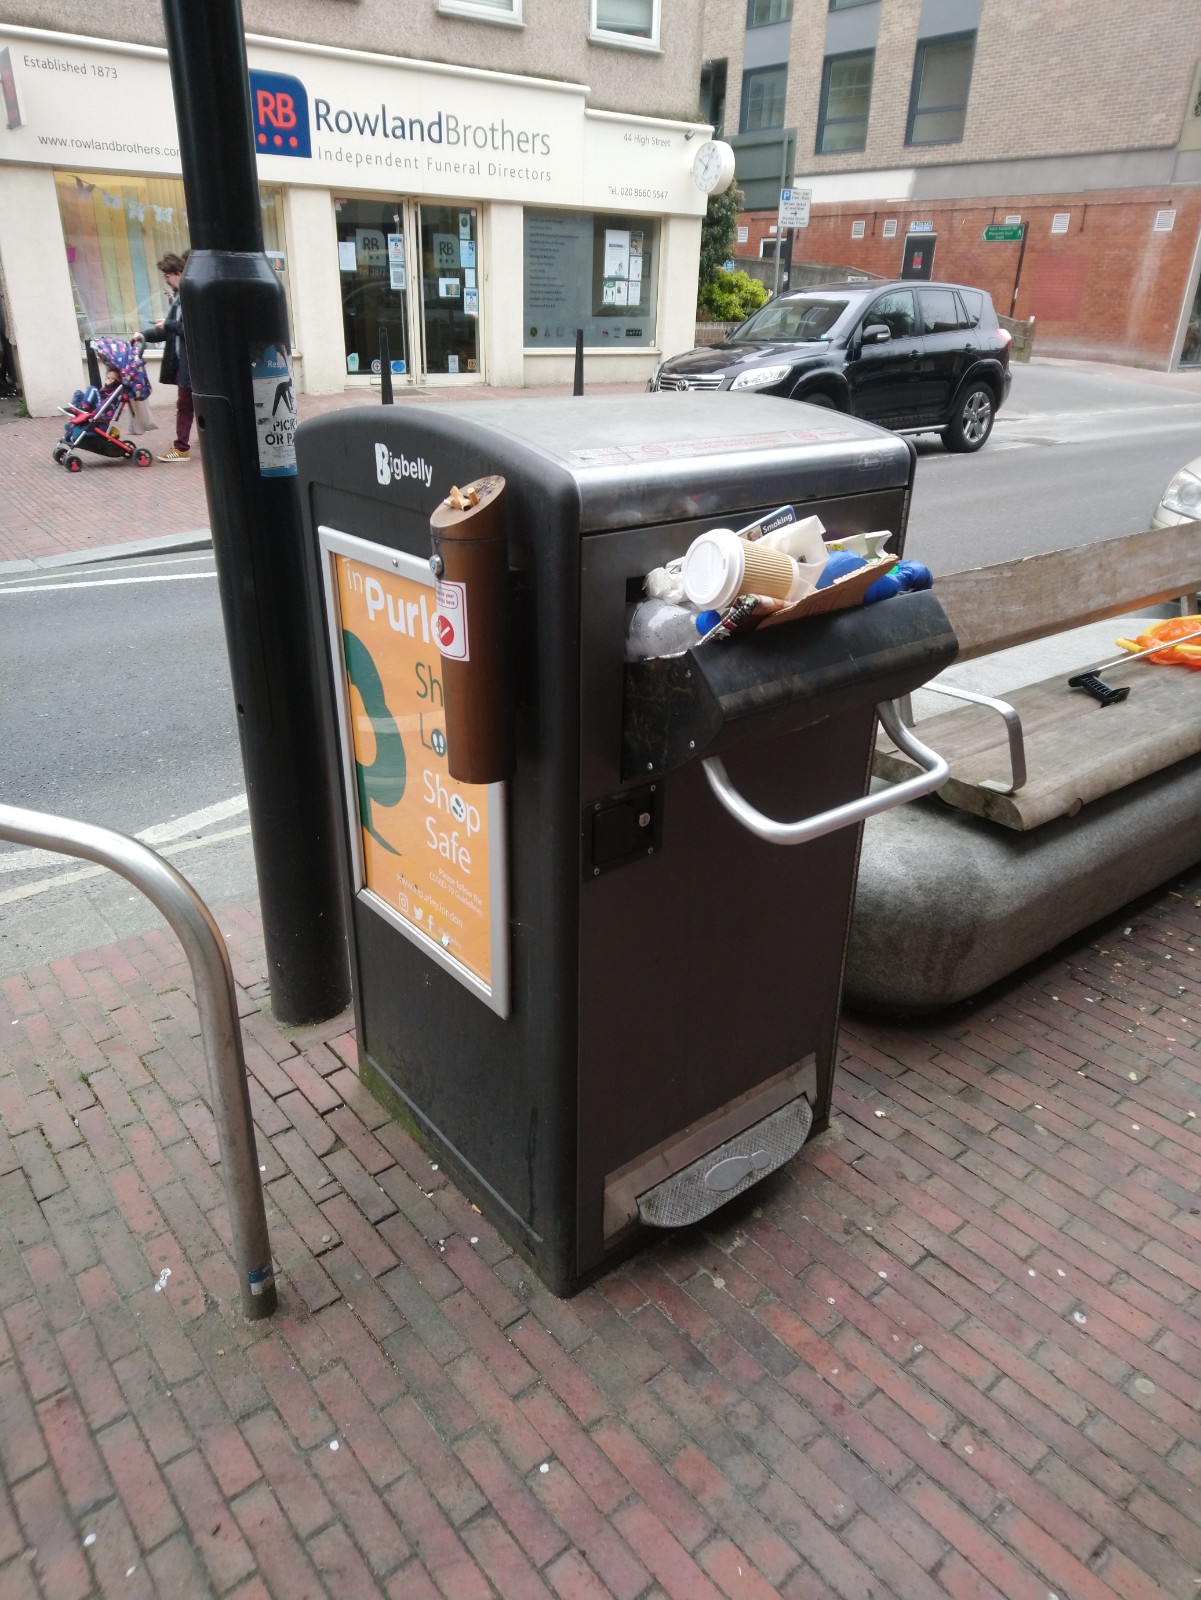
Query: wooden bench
point(958, 891)
point(1067, 748)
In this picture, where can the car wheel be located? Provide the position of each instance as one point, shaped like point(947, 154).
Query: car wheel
point(972, 423)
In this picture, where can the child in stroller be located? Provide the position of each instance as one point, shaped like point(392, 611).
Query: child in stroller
point(93, 413)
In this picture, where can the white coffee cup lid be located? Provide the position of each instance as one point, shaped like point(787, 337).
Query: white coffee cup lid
point(713, 568)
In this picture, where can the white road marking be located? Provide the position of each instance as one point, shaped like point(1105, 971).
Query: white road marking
point(1025, 418)
point(159, 834)
point(28, 890)
point(141, 562)
point(109, 583)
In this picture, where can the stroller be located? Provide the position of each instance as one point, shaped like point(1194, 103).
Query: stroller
point(94, 412)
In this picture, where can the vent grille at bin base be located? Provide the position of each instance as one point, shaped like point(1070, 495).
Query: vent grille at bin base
point(703, 1185)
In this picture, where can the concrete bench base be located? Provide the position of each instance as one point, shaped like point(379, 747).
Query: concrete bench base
point(948, 903)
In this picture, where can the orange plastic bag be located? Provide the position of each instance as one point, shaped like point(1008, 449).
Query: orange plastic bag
point(1177, 655)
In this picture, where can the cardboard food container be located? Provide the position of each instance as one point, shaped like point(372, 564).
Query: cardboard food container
point(840, 595)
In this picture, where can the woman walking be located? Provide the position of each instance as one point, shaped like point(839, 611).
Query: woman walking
point(168, 331)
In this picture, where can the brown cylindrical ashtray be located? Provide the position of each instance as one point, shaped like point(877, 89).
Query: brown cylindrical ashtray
point(468, 534)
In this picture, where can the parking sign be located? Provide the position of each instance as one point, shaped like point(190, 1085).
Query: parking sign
point(794, 208)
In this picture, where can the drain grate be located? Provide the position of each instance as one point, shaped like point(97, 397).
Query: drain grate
point(705, 1184)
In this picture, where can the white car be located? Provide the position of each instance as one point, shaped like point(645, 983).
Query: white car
point(1181, 499)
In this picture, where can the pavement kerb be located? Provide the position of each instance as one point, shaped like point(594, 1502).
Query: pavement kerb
point(197, 539)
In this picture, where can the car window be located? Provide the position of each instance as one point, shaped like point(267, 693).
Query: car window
point(805, 317)
point(974, 304)
point(940, 311)
point(895, 311)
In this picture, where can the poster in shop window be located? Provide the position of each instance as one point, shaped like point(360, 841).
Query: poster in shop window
point(429, 851)
point(617, 253)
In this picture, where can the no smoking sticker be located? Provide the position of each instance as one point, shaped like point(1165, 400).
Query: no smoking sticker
point(450, 622)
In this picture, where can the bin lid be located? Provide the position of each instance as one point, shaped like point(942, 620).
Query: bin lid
point(668, 457)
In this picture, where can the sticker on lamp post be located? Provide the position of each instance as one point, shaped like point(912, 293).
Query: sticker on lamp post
point(274, 409)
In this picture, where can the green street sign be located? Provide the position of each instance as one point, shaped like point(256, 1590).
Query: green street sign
point(1004, 232)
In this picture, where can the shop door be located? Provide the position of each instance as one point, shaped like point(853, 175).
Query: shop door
point(450, 295)
point(374, 272)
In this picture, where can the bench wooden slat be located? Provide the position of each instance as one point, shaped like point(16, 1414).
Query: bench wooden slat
point(1076, 749)
point(1012, 602)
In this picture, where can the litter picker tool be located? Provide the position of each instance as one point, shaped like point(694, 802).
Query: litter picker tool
point(1106, 693)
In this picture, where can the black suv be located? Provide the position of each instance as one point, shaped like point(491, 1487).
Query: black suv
point(914, 357)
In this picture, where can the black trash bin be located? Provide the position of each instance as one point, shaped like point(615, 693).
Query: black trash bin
point(599, 993)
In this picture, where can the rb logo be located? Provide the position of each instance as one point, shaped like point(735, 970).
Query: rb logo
point(280, 110)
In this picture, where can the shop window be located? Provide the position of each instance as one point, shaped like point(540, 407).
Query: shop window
point(594, 271)
point(508, 11)
point(634, 22)
point(116, 228)
point(846, 98)
point(763, 98)
point(761, 13)
point(942, 76)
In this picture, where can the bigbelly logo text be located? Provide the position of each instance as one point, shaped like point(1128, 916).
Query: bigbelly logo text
point(279, 107)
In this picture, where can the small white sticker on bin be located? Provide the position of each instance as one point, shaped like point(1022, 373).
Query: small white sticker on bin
point(450, 620)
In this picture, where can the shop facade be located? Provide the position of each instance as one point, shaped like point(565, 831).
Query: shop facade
point(478, 219)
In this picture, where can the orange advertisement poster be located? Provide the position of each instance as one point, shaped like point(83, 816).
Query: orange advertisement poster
point(426, 846)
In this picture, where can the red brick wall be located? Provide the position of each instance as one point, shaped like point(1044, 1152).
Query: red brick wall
point(1109, 288)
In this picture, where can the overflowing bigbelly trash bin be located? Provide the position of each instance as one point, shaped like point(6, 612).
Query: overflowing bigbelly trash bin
point(592, 663)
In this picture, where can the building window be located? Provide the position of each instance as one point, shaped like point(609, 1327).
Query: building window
point(591, 270)
point(942, 76)
point(846, 96)
point(761, 13)
point(117, 228)
point(713, 95)
point(763, 99)
point(634, 22)
point(506, 11)
point(846, 5)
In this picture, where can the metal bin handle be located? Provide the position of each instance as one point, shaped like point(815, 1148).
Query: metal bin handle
point(933, 777)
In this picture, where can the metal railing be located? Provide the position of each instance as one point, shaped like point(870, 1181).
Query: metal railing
point(220, 1030)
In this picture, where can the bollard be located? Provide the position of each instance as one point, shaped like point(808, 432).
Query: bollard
point(385, 369)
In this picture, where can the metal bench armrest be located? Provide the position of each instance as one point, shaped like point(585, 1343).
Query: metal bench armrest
point(1013, 727)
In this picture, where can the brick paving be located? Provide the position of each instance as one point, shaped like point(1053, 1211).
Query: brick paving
point(952, 1352)
point(46, 511)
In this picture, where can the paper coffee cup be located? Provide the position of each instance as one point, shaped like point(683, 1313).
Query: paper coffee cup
point(720, 566)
